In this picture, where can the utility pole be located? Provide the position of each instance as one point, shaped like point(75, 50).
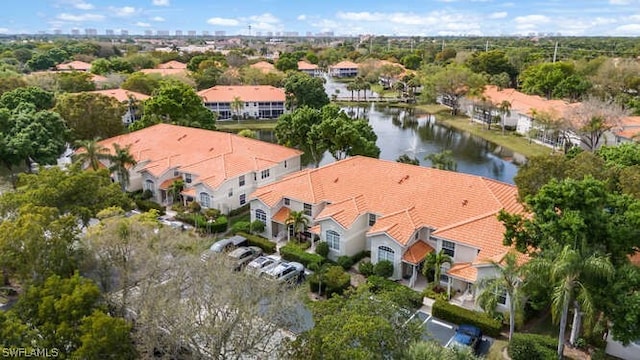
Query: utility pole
point(442, 45)
point(370, 44)
point(555, 52)
point(486, 46)
point(249, 35)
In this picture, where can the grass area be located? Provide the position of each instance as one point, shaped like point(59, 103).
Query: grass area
point(509, 140)
point(495, 352)
point(235, 126)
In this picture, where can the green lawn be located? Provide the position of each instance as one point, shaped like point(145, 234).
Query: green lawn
point(235, 126)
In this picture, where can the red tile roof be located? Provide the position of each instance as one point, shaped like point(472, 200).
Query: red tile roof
point(456, 206)
point(74, 65)
point(165, 72)
point(263, 66)
point(121, 95)
point(526, 103)
point(417, 252)
point(246, 93)
point(345, 65)
point(173, 64)
point(167, 183)
point(303, 65)
point(282, 215)
point(464, 271)
point(212, 156)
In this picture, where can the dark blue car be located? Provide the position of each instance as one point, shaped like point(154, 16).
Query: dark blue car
point(466, 336)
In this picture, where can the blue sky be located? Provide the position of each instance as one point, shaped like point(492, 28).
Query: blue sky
point(350, 17)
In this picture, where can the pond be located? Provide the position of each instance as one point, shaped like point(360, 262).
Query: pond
point(405, 131)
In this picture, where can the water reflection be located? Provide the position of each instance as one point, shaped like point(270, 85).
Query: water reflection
point(406, 131)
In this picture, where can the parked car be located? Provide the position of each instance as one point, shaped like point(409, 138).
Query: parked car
point(285, 271)
point(224, 245)
point(262, 263)
point(243, 255)
point(466, 336)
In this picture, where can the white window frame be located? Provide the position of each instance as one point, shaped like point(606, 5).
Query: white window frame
point(307, 209)
point(205, 200)
point(449, 248)
point(372, 219)
point(243, 199)
point(261, 215)
point(333, 239)
point(265, 174)
point(386, 253)
point(187, 178)
point(241, 181)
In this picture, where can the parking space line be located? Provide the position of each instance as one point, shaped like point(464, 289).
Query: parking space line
point(426, 321)
point(442, 324)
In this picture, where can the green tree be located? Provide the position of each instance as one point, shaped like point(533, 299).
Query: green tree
point(359, 328)
point(120, 161)
point(248, 133)
point(176, 103)
point(10, 80)
point(287, 61)
point(91, 152)
point(434, 261)
point(504, 108)
point(90, 115)
point(142, 83)
point(422, 350)
point(543, 79)
point(344, 136)
point(624, 307)
point(443, 160)
point(299, 222)
point(41, 99)
point(236, 106)
point(175, 189)
point(75, 81)
point(406, 159)
point(412, 61)
point(105, 337)
point(451, 83)
point(592, 118)
point(509, 281)
point(492, 62)
point(294, 130)
point(302, 89)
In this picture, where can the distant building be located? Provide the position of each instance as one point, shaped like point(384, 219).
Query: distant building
point(131, 99)
point(220, 33)
point(108, 32)
point(162, 33)
point(124, 32)
point(344, 69)
point(205, 33)
point(74, 66)
point(57, 32)
point(148, 33)
point(308, 68)
point(191, 33)
point(75, 32)
point(178, 32)
point(90, 32)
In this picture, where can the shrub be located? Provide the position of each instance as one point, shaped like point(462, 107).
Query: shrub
point(345, 261)
point(146, 205)
point(219, 225)
point(366, 268)
point(333, 280)
point(532, 347)
point(361, 255)
point(303, 245)
point(257, 226)
point(383, 268)
point(294, 253)
point(322, 249)
point(398, 293)
point(211, 213)
point(195, 207)
point(240, 226)
point(240, 210)
point(457, 315)
point(146, 195)
point(435, 293)
point(177, 207)
point(267, 246)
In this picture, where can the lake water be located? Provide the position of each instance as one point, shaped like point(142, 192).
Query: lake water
point(404, 131)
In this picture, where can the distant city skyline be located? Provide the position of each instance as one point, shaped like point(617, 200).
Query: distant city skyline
point(303, 18)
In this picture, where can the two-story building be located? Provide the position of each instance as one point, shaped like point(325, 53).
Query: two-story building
point(309, 68)
point(131, 99)
point(244, 101)
point(399, 212)
point(344, 69)
point(219, 170)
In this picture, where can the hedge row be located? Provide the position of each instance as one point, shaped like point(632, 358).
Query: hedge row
point(458, 315)
point(402, 295)
point(146, 205)
point(334, 280)
point(532, 347)
point(267, 246)
point(294, 253)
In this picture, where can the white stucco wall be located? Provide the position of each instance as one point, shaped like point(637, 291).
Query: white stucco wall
point(629, 352)
point(384, 240)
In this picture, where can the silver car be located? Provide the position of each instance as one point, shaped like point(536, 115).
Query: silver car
point(224, 245)
point(285, 271)
point(262, 263)
point(243, 255)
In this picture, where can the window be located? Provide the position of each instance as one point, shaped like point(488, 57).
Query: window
point(243, 199)
point(241, 180)
point(449, 248)
point(205, 200)
point(231, 192)
point(333, 239)
point(176, 173)
point(264, 174)
point(261, 215)
point(385, 253)
point(307, 209)
point(287, 201)
point(502, 298)
point(372, 219)
point(417, 235)
point(444, 278)
point(255, 176)
point(187, 178)
point(285, 164)
point(148, 185)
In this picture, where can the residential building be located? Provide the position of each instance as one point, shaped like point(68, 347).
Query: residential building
point(264, 66)
point(168, 68)
point(310, 69)
point(220, 170)
point(629, 130)
point(244, 101)
point(131, 99)
point(344, 69)
point(173, 64)
point(74, 66)
point(397, 211)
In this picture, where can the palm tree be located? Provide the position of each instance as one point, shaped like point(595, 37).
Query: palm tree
point(568, 272)
point(435, 261)
point(175, 189)
point(508, 280)
point(236, 106)
point(351, 87)
point(505, 110)
point(120, 161)
point(92, 154)
point(298, 221)
point(443, 160)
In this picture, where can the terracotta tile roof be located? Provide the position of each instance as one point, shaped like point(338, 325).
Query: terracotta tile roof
point(173, 64)
point(282, 215)
point(74, 65)
point(499, 258)
point(189, 192)
point(211, 156)
point(464, 271)
point(635, 258)
point(263, 66)
point(98, 78)
point(246, 93)
point(165, 72)
point(121, 95)
point(314, 229)
point(417, 252)
point(524, 103)
point(630, 128)
point(458, 206)
point(303, 65)
point(167, 183)
point(345, 65)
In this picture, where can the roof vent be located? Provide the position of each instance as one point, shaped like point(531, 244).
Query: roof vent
point(182, 137)
point(335, 180)
point(403, 179)
point(465, 202)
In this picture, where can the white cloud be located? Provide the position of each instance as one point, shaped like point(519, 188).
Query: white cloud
point(142, 24)
point(223, 21)
point(124, 11)
point(530, 22)
point(83, 5)
point(265, 18)
point(4, 31)
point(302, 17)
point(360, 16)
point(158, 18)
point(629, 29)
point(161, 2)
point(498, 15)
point(619, 2)
point(80, 18)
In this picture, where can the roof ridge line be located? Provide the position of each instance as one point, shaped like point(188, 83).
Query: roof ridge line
point(465, 221)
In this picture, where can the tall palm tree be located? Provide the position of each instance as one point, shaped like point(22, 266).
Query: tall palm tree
point(175, 189)
point(443, 160)
point(509, 280)
point(236, 106)
point(351, 87)
point(434, 261)
point(504, 108)
point(120, 161)
point(568, 272)
point(92, 154)
point(298, 221)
